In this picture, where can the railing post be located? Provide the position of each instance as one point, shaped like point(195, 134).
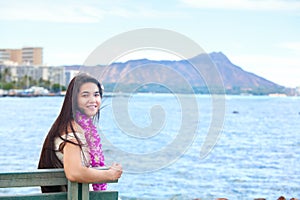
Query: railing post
point(72, 190)
point(84, 193)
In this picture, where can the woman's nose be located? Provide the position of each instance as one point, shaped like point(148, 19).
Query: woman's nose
point(92, 98)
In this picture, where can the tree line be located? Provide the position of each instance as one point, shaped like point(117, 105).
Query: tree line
point(7, 82)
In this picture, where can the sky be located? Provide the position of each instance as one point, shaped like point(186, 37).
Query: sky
point(260, 36)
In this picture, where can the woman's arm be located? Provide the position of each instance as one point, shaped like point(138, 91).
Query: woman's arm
point(76, 172)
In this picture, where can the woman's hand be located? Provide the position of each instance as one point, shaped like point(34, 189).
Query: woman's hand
point(76, 172)
point(116, 171)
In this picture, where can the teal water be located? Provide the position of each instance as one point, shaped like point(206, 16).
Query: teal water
point(256, 155)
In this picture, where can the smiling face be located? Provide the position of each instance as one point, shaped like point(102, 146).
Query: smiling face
point(89, 99)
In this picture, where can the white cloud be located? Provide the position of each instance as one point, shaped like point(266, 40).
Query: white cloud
point(139, 12)
point(37, 11)
point(293, 46)
point(65, 58)
point(78, 11)
point(281, 70)
point(268, 61)
point(279, 5)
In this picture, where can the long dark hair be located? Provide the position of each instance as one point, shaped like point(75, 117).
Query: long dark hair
point(62, 125)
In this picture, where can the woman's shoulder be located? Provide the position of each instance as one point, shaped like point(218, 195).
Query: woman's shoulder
point(74, 132)
point(76, 127)
point(74, 137)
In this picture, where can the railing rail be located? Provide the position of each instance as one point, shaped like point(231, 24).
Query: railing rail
point(51, 177)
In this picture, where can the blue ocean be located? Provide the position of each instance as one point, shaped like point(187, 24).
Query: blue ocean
point(174, 146)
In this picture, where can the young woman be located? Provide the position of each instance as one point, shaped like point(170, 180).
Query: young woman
point(73, 142)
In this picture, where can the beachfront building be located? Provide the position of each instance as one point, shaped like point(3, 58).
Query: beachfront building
point(53, 74)
point(24, 56)
point(32, 55)
point(4, 56)
point(70, 73)
point(61, 75)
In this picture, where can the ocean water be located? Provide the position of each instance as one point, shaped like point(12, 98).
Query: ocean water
point(159, 140)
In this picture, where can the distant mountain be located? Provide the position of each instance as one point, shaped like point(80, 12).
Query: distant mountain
point(234, 76)
point(199, 73)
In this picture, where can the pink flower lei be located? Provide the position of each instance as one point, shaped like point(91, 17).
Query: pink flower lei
point(94, 142)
